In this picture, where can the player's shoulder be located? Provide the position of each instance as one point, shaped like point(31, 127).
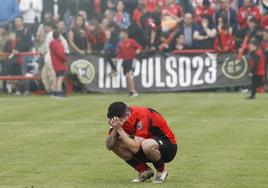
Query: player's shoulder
point(138, 110)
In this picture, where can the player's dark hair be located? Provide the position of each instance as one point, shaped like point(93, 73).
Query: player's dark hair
point(117, 109)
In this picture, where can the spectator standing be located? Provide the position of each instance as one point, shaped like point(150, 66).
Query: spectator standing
point(151, 24)
point(224, 42)
point(127, 51)
point(24, 44)
point(172, 14)
point(203, 8)
point(122, 18)
point(130, 5)
point(172, 8)
point(48, 74)
point(59, 59)
point(205, 33)
point(96, 37)
point(13, 62)
point(138, 13)
point(61, 28)
point(229, 14)
point(111, 45)
point(151, 5)
point(264, 46)
point(4, 37)
point(9, 10)
point(31, 11)
point(40, 31)
point(257, 67)
point(188, 27)
point(248, 10)
point(77, 37)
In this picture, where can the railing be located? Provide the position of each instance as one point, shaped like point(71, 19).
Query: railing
point(69, 87)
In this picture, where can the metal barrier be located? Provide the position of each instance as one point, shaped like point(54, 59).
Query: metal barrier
point(69, 84)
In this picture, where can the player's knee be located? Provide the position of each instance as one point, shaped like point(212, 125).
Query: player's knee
point(148, 146)
point(129, 75)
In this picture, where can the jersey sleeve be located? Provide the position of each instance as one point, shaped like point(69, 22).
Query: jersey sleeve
point(142, 128)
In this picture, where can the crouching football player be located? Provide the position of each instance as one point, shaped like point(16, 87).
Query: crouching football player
point(140, 135)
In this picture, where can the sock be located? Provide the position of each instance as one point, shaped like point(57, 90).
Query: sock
point(159, 166)
point(138, 166)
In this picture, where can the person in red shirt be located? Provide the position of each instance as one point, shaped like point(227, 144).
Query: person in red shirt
point(96, 37)
point(58, 59)
point(264, 46)
point(139, 135)
point(172, 8)
point(138, 13)
point(151, 5)
point(257, 67)
point(203, 9)
point(224, 42)
point(246, 11)
point(127, 51)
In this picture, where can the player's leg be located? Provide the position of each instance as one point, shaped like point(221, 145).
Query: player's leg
point(130, 82)
point(120, 150)
point(137, 161)
point(151, 149)
point(128, 68)
point(159, 151)
point(59, 85)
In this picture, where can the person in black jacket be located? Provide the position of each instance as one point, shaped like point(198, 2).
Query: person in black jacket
point(187, 27)
point(24, 44)
point(110, 48)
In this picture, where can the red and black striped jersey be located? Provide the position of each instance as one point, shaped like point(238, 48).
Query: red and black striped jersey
point(148, 123)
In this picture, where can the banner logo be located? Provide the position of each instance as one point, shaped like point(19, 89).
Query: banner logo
point(84, 70)
point(235, 69)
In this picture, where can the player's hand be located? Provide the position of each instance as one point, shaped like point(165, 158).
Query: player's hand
point(250, 74)
point(115, 122)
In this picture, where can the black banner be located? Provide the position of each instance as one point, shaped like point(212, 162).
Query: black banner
point(164, 72)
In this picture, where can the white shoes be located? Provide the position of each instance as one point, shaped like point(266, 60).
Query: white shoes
point(143, 176)
point(159, 178)
point(133, 94)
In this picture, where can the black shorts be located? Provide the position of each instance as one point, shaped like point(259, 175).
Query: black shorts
point(127, 66)
point(60, 73)
point(167, 149)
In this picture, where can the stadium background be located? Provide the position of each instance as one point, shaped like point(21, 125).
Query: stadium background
point(92, 28)
point(60, 143)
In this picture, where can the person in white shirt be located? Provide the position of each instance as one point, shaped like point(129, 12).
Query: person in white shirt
point(31, 11)
point(48, 74)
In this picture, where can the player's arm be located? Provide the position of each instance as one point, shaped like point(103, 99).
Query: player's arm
point(132, 144)
point(111, 139)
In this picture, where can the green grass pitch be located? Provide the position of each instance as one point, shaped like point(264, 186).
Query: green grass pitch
point(46, 143)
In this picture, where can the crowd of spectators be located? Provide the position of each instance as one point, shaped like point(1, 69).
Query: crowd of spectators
point(93, 26)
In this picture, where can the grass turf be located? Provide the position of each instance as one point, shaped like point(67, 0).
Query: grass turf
point(60, 143)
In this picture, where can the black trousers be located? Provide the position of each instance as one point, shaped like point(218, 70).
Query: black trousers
point(256, 81)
